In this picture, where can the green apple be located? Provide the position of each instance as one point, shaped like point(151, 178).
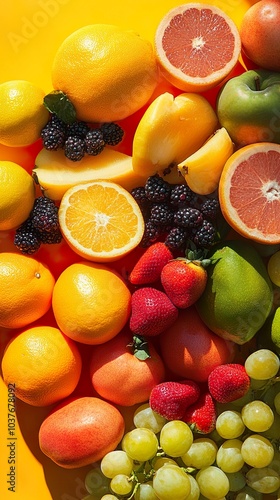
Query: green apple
point(248, 106)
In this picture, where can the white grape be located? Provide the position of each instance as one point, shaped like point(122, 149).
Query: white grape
point(237, 480)
point(144, 416)
point(264, 480)
point(257, 416)
point(202, 453)
point(176, 438)
point(262, 364)
point(171, 482)
point(229, 424)
point(121, 484)
point(257, 451)
point(276, 402)
point(116, 462)
point(161, 461)
point(195, 491)
point(229, 457)
point(140, 444)
point(213, 482)
point(145, 491)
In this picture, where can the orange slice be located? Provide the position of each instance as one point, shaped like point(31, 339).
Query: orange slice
point(249, 192)
point(197, 45)
point(100, 220)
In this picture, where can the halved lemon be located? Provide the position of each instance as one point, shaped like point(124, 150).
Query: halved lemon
point(100, 220)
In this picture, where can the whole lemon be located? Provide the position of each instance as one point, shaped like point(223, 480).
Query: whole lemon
point(23, 114)
point(107, 72)
point(17, 195)
point(91, 302)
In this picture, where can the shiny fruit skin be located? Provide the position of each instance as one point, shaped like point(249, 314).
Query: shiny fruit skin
point(260, 34)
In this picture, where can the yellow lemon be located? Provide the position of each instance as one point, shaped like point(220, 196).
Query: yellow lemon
point(23, 114)
point(202, 170)
point(170, 130)
point(17, 194)
point(107, 72)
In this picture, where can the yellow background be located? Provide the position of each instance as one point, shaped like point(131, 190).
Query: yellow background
point(31, 31)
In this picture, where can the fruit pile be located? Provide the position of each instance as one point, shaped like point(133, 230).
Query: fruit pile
point(140, 256)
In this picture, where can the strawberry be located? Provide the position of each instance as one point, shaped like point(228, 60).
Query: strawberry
point(184, 279)
point(148, 268)
point(228, 382)
point(151, 312)
point(201, 416)
point(170, 399)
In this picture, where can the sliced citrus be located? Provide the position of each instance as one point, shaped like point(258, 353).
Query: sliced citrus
point(100, 220)
point(249, 192)
point(171, 129)
point(202, 170)
point(197, 45)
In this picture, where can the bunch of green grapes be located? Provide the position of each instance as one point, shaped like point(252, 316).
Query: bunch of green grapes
point(165, 460)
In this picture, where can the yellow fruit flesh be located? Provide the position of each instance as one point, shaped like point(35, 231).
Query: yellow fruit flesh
point(170, 130)
point(55, 173)
point(203, 169)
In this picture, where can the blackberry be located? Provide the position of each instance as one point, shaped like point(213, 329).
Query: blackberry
point(94, 142)
point(188, 217)
point(176, 238)
point(151, 234)
point(161, 214)
point(44, 215)
point(139, 194)
point(53, 138)
point(182, 195)
point(205, 235)
point(57, 123)
point(157, 189)
point(27, 238)
point(112, 133)
point(74, 148)
point(51, 238)
point(210, 208)
point(78, 129)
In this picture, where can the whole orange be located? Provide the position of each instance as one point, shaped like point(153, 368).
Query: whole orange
point(260, 34)
point(119, 376)
point(26, 286)
point(42, 364)
point(107, 72)
point(91, 302)
point(81, 431)
point(191, 350)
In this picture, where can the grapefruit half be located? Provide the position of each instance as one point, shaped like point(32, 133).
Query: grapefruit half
point(249, 192)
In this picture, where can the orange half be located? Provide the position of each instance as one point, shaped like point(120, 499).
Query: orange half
point(197, 45)
point(249, 192)
point(100, 220)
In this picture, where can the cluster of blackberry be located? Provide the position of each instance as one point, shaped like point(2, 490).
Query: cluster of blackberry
point(42, 226)
point(176, 215)
point(78, 138)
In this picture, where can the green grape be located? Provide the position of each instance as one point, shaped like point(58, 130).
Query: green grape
point(116, 462)
point(161, 461)
point(176, 438)
point(121, 484)
point(144, 416)
point(274, 431)
point(275, 464)
point(145, 491)
point(229, 424)
point(96, 483)
point(229, 457)
point(270, 393)
point(195, 491)
point(258, 385)
point(262, 364)
point(202, 453)
point(108, 497)
point(257, 451)
point(213, 482)
point(140, 444)
point(248, 493)
point(257, 416)
point(170, 482)
point(276, 402)
point(264, 480)
point(237, 481)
